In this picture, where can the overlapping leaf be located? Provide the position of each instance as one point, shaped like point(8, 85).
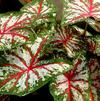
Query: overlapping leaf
point(74, 85)
point(87, 33)
point(76, 10)
point(24, 72)
point(94, 45)
point(91, 46)
point(94, 69)
point(97, 41)
point(11, 29)
point(69, 38)
point(39, 10)
point(94, 24)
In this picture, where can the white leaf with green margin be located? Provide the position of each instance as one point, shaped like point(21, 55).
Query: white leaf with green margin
point(76, 10)
point(73, 85)
point(11, 31)
point(24, 73)
point(39, 10)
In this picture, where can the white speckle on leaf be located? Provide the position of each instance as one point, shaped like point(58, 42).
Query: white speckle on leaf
point(25, 55)
point(22, 82)
point(60, 78)
point(62, 87)
point(42, 73)
point(77, 95)
point(57, 93)
point(33, 79)
point(8, 85)
point(36, 45)
point(15, 60)
point(1, 73)
point(57, 67)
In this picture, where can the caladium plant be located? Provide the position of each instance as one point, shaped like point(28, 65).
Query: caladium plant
point(8, 34)
point(40, 11)
point(37, 48)
point(74, 85)
point(25, 72)
point(81, 9)
point(94, 45)
point(94, 71)
point(69, 38)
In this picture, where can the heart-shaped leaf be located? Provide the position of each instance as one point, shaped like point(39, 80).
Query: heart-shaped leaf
point(11, 31)
point(74, 85)
point(24, 73)
point(76, 10)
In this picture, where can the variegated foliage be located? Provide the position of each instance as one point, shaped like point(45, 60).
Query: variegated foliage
point(75, 85)
point(76, 10)
point(94, 45)
point(39, 10)
point(69, 38)
point(94, 71)
point(24, 72)
point(26, 67)
point(11, 31)
point(15, 27)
